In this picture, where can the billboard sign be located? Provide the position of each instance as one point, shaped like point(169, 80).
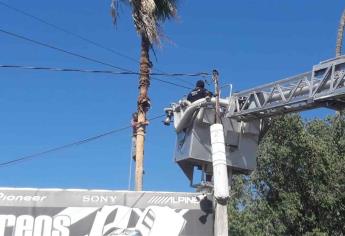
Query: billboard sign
point(57, 212)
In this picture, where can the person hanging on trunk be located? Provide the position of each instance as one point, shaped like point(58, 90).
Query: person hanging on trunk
point(134, 124)
point(198, 92)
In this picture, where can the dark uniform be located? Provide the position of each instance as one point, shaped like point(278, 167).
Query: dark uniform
point(199, 92)
point(134, 124)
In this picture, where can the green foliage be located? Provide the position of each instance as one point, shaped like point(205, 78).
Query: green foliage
point(299, 185)
point(147, 15)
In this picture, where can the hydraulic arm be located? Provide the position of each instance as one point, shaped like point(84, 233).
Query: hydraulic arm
point(241, 115)
point(322, 87)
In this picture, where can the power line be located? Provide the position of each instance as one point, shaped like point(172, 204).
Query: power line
point(69, 145)
point(61, 50)
point(66, 31)
point(181, 79)
point(89, 71)
point(55, 69)
point(81, 56)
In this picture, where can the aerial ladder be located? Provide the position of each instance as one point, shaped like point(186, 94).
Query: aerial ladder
point(242, 116)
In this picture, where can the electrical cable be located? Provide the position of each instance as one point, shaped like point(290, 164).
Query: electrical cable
point(69, 145)
point(81, 56)
point(61, 50)
point(199, 74)
point(91, 71)
point(171, 83)
point(66, 31)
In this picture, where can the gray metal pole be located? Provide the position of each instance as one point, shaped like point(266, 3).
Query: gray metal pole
point(215, 78)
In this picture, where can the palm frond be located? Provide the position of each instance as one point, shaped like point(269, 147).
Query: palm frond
point(166, 9)
point(114, 10)
point(147, 14)
point(144, 19)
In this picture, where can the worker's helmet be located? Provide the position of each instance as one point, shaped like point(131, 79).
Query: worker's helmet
point(200, 84)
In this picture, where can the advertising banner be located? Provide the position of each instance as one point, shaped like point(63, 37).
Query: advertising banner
point(57, 212)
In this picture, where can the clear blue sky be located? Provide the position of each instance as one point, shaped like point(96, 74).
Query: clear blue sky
point(249, 42)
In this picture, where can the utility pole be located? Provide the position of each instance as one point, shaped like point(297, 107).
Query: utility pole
point(339, 43)
point(220, 174)
point(340, 35)
point(215, 78)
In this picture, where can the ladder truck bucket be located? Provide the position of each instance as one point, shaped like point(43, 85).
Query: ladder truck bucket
point(193, 150)
point(242, 114)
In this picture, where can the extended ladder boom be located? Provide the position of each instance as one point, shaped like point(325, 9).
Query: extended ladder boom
point(324, 86)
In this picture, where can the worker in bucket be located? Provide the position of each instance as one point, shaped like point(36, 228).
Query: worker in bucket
point(198, 92)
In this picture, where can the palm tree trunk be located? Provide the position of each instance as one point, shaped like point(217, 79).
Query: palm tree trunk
point(143, 103)
point(340, 36)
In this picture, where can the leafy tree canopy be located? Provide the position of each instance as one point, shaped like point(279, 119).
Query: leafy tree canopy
point(299, 185)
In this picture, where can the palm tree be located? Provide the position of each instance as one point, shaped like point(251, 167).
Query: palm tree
point(340, 36)
point(147, 16)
